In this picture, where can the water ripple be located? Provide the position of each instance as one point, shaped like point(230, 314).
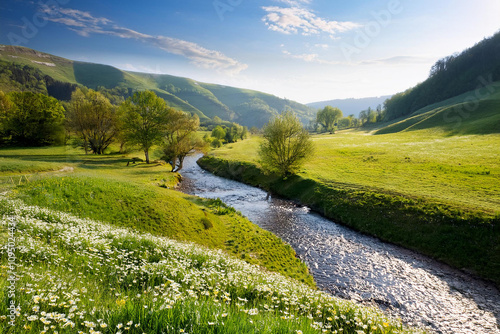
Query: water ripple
point(354, 266)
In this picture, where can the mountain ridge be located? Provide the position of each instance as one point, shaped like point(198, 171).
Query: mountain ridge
point(207, 100)
point(351, 106)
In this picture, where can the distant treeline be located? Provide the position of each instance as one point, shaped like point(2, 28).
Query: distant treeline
point(449, 77)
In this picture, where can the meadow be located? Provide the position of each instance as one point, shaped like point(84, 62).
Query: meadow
point(102, 247)
point(142, 197)
point(425, 190)
point(83, 276)
point(461, 171)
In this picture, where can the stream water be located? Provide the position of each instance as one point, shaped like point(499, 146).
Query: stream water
point(354, 266)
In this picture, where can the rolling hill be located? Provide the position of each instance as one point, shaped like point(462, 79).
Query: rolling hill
point(473, 69)
point(461, 115)
point(460, 97)
point(26, 69)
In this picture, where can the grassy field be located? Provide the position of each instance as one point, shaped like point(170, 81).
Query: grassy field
point(102, 247)
point(425, 190)
point(461, 171)
point(140, 196)
point(83, 276)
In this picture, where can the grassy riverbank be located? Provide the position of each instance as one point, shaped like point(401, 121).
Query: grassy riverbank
point(137, 196)
point(102, 247)
point(90, 277)
point(437, 194)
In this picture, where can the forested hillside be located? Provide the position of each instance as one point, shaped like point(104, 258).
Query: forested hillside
point(23, 69)
point(476, 67)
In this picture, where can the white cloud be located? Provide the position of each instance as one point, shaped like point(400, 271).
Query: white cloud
point(393, 61)
point(398, 60)
point(295, 3)
point(311, 58)
point(322, 46)
point(295, 20)
point(84, 24)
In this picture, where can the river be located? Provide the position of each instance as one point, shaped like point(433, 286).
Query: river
point(350, 265)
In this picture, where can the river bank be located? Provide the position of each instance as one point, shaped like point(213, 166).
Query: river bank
point(351, 265)
point(464, 239)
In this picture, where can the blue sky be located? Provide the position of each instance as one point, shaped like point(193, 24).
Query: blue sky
point(304, 50)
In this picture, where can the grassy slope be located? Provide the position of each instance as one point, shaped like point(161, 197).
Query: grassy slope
point(434, 193)
point(463, 114)
point(87, 277)
point(104, 188)
point(235, 97)
point(62, 72)
point(205, 100)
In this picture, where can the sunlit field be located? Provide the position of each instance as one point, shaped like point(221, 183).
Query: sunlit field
point(82, 276)
point(462, 171)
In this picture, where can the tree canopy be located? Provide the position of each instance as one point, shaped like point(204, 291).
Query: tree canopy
point(286, 146)
point(328, 116)
point(145, 120)
point(94, 119)
point(34, 120)
point(181, 138)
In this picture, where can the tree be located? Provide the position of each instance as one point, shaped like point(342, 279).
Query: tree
point(364, 116)
point(94, 119)
point(5, 109)
point(235, 132)
point(36, 120)
point(218, 132)
point(328, 116)
point(286, 144)
point(345, 123)
point(181, 138)
point(372, 116)
point(218, 135)
point(145, 120)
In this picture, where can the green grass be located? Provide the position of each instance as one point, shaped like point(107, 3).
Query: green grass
point(425, 190)
point(475, 112)
point(15, 166)
point(85, 276)
point(24, 56)
point(140, 196)
point(461, 171)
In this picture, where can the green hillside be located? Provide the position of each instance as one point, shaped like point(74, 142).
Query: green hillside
point(26, 69)
point(463, 114)
point(473, 69)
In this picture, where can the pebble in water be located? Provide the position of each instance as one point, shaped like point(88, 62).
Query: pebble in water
point(353, 266)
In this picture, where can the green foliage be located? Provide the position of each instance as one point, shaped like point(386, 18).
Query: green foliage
point(94, 119)
point(328, 117)
point(145, 119)
point(246, 107)
point(235, 132)
point(449, 77)
point(218, 132)
point(34, 120)
point(181, 138)
point(5, 109)
point(286, 146)
point(17, 77)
